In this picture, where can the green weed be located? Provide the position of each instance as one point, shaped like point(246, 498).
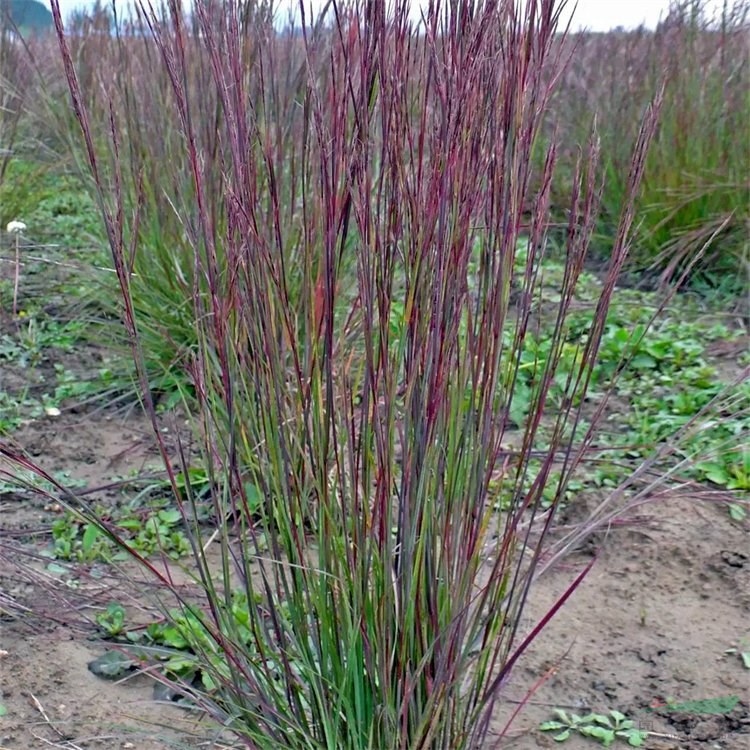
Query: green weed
point(35, 337)
point(112, 620)
point(71, 386)
point(605, 728)
point(17, 409)
point(149, 532)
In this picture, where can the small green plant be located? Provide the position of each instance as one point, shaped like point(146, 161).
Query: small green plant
point(732, 471)
point(36, 335)
point(606, 728)
point(77, 541)
point(737, 512)
point(112, 620)
point(182, 642)
point(70, 385)
point(148, 532)
point(158, 532)
point(15, 409)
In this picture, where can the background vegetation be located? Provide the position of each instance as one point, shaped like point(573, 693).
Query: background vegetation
point(695, 182)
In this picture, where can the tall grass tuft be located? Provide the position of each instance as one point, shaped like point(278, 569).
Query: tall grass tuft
point(10, 96)
point(696, 179)
point(352, 194)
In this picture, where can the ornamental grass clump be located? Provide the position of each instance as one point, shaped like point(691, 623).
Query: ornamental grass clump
point(359, 187)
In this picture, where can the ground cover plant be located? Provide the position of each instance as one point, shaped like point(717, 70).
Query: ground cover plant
point(332, 249)
point(606, 728)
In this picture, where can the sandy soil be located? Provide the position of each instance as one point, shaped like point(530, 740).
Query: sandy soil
point(652, 621)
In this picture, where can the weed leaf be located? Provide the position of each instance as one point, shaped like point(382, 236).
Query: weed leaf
point(111, 664)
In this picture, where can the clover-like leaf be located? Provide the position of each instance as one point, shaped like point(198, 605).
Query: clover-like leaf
point(599, 719)
point(607, 736)
point(111, 664)
point(548, 726)
point(634, 737)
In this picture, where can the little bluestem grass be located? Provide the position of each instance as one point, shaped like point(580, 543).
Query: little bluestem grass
point(352, 196)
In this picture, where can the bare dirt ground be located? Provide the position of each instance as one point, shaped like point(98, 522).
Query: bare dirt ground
point(51, 698)
point(652, 621)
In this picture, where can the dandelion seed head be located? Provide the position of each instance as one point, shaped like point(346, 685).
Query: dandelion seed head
point(14, 227)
